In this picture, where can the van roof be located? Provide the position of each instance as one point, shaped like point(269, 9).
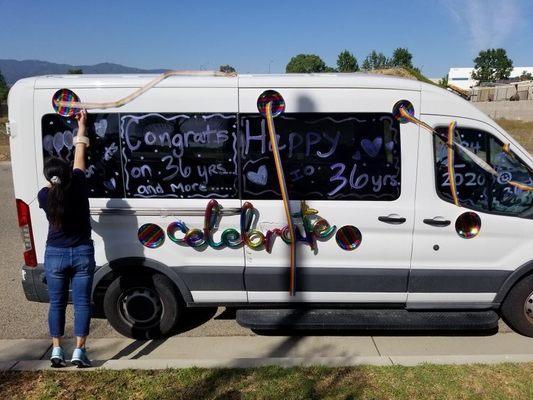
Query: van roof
point(355, 80)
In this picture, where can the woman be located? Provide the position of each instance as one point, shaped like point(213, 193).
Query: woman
point(69, 255)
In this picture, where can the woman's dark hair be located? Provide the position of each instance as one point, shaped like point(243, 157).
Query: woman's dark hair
point(58, 172)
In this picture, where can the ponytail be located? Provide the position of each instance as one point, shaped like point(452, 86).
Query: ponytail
point(58, 173)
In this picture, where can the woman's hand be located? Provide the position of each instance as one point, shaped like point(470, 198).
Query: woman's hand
point(79, 153)
point(82, 122)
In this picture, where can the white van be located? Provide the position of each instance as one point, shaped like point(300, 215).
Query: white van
point(186, 207)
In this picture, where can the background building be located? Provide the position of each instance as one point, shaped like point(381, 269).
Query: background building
point(462, 77)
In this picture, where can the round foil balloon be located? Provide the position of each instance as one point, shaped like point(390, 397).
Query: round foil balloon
point(407, 106)
point(348, 237)
point(65, 95)
point(468, 225)
point(151, 235)
point(271, 96)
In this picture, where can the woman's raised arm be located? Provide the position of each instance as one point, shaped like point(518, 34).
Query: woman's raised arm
point(81, 141)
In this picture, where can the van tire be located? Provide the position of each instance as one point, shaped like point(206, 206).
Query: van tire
point(143, 306)
point(513, 309)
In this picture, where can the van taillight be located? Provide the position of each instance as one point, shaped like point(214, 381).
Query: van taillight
point(23, 212)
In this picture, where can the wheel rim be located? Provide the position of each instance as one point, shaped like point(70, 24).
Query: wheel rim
point(141, 306)
point(528, 308)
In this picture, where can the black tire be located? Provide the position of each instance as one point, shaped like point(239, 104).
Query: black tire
point(514, 309)
point(143, 306)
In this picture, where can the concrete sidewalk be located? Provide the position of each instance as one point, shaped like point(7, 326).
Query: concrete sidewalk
point(249, 351)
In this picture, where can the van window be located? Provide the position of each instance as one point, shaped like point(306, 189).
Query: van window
point(152, 155)
point(477, 189)
point(180, 155)
point(325, 156)
point(104, 171)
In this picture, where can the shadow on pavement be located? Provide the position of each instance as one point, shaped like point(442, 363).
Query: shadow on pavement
point(228, 314)
point(360, 332)
point(194, 317)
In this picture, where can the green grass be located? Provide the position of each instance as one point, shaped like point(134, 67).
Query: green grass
point(419, 76)
point(502, 381)
point(403, 72)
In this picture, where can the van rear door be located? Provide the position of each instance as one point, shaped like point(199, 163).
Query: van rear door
point(348, 159)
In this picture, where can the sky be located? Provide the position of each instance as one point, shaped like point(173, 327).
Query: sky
point(258, 37)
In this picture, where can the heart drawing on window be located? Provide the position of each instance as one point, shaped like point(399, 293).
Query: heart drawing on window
point(259, 177)
point(372, 147)
point(100, 127)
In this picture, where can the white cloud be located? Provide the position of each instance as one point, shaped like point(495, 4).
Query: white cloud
point(489, 22)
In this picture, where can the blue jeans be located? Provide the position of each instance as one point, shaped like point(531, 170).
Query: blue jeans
point(63, 266)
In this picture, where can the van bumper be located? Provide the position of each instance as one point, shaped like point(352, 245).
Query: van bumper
point(34, 284)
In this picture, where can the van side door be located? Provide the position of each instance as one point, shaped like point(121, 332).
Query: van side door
point(346, 158)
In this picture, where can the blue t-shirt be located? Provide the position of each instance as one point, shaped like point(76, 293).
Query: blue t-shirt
point(75, 229)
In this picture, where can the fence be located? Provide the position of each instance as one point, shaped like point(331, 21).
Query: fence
point(503, 93)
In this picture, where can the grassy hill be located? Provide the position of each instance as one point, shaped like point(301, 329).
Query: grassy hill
point(408, 73)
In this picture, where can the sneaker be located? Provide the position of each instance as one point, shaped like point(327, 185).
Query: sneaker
point(80, 359)
point(58, 358)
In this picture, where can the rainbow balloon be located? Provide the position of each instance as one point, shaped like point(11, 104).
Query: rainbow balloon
point(151, 235)
point(61, 100)
point(349, 237)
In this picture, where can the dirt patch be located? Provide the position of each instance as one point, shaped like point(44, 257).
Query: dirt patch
point(520, 130)
point(5, 154)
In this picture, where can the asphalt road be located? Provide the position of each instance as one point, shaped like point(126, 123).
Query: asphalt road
point(20, 318)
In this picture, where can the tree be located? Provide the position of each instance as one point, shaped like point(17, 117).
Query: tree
point(444, 81)
point(375, 61)
point(228, 69)
point(346, 62)
point(492, 65)
point(401, 58)
point(3, 88)
point(305, 63)
point(526, 76)
point(75, 71)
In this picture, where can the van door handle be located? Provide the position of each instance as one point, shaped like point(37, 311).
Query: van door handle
point(392, 220)
point(441, 223)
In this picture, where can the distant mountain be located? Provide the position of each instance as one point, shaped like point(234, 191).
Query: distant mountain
point(13, 70)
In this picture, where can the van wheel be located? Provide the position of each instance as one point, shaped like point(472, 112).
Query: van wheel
point(143, 306)
point(517, 308)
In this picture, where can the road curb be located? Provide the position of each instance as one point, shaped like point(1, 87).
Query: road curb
point(158, 364)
